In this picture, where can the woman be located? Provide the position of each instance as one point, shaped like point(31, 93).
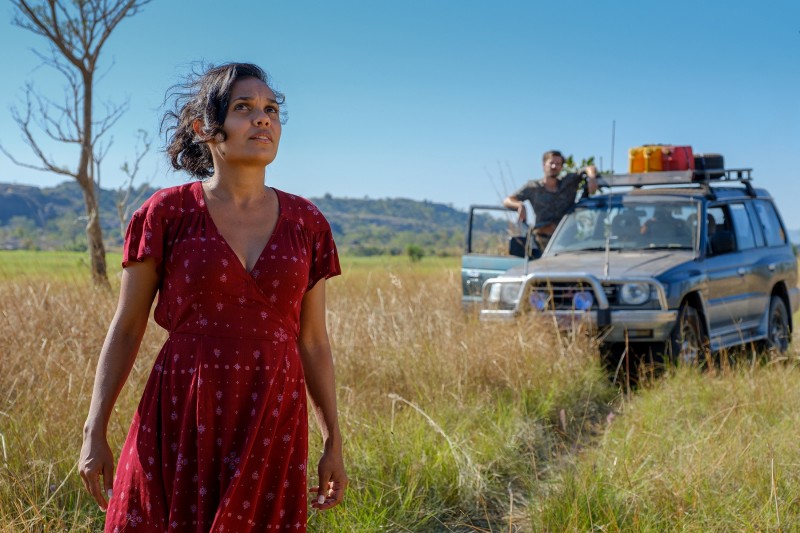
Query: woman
point(219, 441)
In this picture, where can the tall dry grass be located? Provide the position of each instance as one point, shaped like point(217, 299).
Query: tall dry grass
point(50, 337)
point(450, 421)
point(447, 422)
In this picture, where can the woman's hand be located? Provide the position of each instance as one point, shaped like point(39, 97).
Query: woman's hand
point(315, 353)
point(97, 460)
point(332, 481)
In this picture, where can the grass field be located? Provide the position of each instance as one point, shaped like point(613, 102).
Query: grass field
point(449, 424)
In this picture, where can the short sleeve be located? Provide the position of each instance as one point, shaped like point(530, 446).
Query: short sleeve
point(526, 192)
point(523, 193)
point(144, 237)
point(324, 258)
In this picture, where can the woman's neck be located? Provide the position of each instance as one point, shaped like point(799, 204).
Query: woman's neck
point(241, 185)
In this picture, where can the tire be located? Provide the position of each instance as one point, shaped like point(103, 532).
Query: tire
point(688, 344)
point(778, 334)
point(623, 363)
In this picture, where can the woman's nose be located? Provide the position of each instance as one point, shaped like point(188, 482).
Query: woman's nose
point(262, 118)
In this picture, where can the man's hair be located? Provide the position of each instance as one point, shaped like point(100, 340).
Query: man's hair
point(552, 153)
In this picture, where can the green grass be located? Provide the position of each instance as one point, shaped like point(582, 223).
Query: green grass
point(398, 263)
point(75, 265)
point(696, 452)
point(51, 265)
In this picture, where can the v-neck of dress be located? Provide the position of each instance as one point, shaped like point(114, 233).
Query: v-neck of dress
point(201, 201)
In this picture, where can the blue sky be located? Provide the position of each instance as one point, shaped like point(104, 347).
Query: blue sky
point(454, 102)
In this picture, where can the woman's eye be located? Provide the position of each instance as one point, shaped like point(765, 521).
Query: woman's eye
point(271, 110)
point(237, 107)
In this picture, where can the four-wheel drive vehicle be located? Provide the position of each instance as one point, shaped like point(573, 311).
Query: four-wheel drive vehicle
point(691, 262)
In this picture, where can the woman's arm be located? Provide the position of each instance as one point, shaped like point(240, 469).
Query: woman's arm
point(315, 352)
point(139, 285)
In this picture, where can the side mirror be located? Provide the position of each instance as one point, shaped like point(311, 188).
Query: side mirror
point(722, 242)
point(516, 247)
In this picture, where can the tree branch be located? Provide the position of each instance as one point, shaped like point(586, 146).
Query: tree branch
point(113, 114)
point(124, 201)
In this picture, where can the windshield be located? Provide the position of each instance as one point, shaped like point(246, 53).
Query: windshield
point(631, 226)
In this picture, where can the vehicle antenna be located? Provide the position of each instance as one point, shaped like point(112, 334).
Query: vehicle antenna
point(613, 132)
point(607, 262)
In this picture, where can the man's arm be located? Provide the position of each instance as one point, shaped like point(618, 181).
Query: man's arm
point(516, 201)
point(512, 203)
point(591, 178)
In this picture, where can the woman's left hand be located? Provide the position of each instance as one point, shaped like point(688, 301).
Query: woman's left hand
point(332, 481)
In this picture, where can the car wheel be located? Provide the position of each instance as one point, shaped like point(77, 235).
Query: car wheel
point(687, 344)
point(777, 326)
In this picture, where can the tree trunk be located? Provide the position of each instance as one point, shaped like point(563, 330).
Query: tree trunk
point(94, 234)
point(94, 238)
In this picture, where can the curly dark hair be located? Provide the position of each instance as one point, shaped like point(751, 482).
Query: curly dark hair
point(204, 95)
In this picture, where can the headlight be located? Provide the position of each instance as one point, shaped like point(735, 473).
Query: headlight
point(635, 293)
point(510, 293)
point(507, 293)
point(494, 293)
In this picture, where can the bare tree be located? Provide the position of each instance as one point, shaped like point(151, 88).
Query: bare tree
point(125, 194)
point(76, 31)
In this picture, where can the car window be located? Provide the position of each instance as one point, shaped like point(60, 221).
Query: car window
point(716, 220)
point(770, 223)
point(742, 227)
point(759, 235)
point(630, 226)
point(491, 229)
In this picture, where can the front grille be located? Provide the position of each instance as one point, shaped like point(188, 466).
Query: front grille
point(560, 295)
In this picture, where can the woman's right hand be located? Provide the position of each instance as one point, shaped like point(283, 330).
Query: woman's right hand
point(97, 460)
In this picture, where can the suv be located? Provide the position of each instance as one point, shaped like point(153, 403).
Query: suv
point(694, 263)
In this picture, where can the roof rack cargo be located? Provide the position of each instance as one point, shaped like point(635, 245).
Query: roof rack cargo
point(681, 177)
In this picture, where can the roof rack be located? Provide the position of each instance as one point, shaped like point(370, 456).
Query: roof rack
point(704, 178)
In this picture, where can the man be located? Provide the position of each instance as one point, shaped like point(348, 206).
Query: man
point(551, 196)
point(664, 227)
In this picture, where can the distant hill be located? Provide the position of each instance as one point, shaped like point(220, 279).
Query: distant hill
point(54, 218)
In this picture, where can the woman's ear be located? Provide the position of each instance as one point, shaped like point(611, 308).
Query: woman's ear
point(197, 126)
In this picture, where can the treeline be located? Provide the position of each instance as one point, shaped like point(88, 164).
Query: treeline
point(390, 226)
point(54, 219)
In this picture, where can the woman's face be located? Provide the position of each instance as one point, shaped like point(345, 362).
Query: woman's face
point(252, 126)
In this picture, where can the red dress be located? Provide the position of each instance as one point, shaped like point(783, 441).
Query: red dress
point(219, 441)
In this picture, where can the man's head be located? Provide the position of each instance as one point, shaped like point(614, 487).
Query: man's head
point(553, 162)
point(662, 212)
